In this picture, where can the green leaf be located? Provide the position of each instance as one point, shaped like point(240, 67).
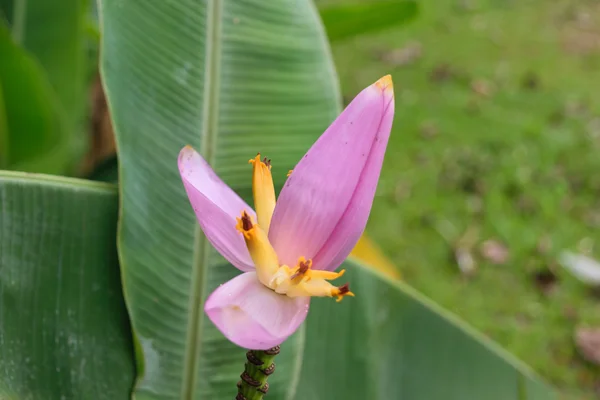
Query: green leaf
point(230, 78)
point(389, 342)
point(3, 132)
point(348, 20)
point(37, 141)
point(54, 32)
point(64, 332)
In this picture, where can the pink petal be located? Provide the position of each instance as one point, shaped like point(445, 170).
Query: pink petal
point(216, 207)
point(352, 223)
point(343, 164)
point(253, 316)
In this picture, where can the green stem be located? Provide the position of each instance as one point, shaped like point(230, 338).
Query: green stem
point(253, 385)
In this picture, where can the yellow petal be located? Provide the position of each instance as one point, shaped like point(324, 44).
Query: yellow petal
point(259, 247)
point(329, 275)
point(369, 253)
point(263, 191)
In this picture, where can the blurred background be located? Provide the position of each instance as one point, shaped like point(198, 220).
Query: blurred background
point(492, 171)
point(489, 199)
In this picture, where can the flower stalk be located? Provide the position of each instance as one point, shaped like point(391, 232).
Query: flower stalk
point(259, 366)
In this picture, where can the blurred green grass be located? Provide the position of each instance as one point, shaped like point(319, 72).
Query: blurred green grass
point(497, 129)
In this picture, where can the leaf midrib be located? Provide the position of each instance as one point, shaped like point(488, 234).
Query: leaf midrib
point(210, 111)
point(18, 21)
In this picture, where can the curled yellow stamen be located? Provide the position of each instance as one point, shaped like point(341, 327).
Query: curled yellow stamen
point(289, 172)
point(305, 281)
point(301, 270)
point(341, 292)
point(263, 191)
point(245, 225)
